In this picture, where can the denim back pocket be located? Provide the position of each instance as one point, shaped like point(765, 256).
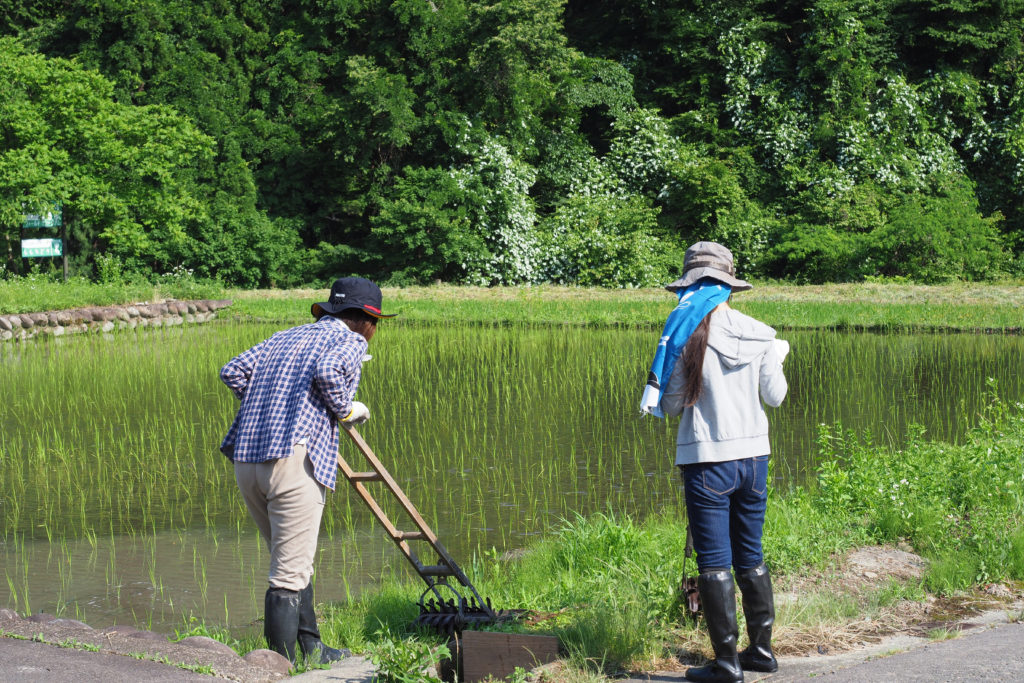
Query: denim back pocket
point(721, 477)
point(759, 483)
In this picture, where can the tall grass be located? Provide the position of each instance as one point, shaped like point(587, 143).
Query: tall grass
point(962, 507)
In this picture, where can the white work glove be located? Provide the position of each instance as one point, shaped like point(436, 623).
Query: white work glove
point(358, 415)
point(781, 348)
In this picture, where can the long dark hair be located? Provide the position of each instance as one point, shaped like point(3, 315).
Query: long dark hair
point(693, 361)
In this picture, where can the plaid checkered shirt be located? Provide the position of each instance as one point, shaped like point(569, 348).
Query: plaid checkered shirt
point(295, 386)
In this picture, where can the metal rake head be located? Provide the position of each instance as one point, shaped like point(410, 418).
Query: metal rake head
point(454, 615)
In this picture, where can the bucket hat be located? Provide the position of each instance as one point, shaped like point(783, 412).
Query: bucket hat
point(352, 292)
point(711, 260)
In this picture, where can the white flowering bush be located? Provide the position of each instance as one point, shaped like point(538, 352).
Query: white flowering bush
point(884, 128)
point(642, 153)
point(958, 107)
point(502, 213)
point(605, 231)
point(897, 144)
point(744, 58)
point(776, 118)
point(473, 222)
point(606, 240)
point(981, 121)
point(867, 167)
point(1013, 137)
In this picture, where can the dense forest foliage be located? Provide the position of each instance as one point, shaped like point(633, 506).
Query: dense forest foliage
point(278, 142)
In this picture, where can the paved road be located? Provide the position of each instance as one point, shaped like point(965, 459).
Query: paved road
point(353, 670)
point(24, 661)
point(994, 653)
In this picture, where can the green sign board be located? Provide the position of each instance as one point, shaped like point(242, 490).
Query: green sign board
point(50, 219)
point(43, 247)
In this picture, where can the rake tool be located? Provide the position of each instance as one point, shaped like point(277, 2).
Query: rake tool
point(688, 587)
point(450, 602)
point(689, 584)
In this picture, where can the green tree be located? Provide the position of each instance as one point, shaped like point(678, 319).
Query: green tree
point(195, 57)
point(932, 238)
point(414, 140)
point(126, 175)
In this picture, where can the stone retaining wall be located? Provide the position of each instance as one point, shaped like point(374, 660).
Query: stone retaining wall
point(107, 318)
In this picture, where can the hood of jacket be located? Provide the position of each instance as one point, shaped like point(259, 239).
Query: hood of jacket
point(738, 338)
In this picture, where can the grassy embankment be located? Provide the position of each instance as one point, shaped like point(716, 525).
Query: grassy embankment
point(873, 306)
point(35, 294)
point(857, 306)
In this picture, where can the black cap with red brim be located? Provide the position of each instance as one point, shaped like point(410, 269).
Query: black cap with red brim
point(352, 292)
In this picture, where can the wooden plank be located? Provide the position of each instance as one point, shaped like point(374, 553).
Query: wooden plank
point(371, 503)
point(345, 468)
point(365, 476)
point(446, 565)
point(392, 485)
point(486, 654)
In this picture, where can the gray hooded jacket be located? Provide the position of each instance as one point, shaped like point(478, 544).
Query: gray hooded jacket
point(742, 367)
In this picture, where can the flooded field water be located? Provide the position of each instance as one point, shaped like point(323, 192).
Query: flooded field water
point(116, 507)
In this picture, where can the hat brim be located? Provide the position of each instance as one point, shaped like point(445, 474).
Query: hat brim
point(691, 276)
point(327, 308)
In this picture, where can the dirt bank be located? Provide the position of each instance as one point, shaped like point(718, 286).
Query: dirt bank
point(195, 654)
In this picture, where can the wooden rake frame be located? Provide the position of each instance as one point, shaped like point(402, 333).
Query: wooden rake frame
point(453, 613)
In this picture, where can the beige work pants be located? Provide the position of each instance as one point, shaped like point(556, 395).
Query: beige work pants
point(286, 502)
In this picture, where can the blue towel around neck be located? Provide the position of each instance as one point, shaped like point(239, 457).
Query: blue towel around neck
point(695, 302)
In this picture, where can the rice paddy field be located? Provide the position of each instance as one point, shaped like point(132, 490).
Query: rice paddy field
point(116, 506)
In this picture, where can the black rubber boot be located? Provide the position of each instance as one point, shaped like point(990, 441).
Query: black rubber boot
point(281, 621)
point(759, 609)
point(718, 600)
point(312, 648)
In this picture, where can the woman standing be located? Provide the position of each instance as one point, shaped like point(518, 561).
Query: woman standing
point(728, 366)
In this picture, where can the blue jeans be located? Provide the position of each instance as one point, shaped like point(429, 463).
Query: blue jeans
point(725, 502)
